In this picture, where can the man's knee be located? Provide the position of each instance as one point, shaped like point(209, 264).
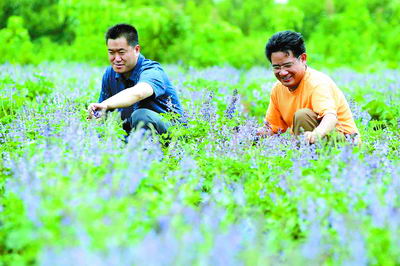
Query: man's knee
point(142, 117)
point(149, 120)
point(304, 114)
point(304, 120)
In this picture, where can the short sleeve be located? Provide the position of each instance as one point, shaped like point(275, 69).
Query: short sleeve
point(105, 92)
point(323, 101)
point(155, 78)
point(274, 117)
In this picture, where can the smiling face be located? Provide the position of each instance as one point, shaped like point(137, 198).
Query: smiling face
point(122, 56)
point(288, 69)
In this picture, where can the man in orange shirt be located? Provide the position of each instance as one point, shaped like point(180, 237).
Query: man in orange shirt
point(303, 99)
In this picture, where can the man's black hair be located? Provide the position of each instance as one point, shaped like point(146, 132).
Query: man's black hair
point(123, 30)
point(285, 41)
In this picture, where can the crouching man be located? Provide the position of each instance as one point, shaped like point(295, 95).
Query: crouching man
point(303, 99)
point(136, 86)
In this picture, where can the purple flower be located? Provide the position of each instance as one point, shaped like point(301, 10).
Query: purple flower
point(232, 105)
point(96, 113)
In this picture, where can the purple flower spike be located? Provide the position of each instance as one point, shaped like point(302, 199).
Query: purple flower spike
point(96, 113)
point(229, 112)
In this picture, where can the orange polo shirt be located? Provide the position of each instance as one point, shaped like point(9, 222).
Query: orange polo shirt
point(317, 92)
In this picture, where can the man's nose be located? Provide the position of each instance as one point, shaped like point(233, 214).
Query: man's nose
point(117, 57)
point(283, 72)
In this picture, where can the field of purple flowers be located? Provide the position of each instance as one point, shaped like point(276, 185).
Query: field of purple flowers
point(74, 193)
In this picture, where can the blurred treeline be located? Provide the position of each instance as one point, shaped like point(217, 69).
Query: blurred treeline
point(357, 33)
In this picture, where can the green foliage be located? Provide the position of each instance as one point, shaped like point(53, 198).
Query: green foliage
point(254, 101)
point(12, 100)
point(49, 18)
point(165, 27)
point(381, 107)
point(16, 234)
point(202, 33)
point(380, 111)
point(275, 194)
point(215, 44)
point(16, 44)
point(357, 46)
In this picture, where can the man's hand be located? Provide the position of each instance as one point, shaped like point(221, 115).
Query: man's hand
point(328, 123)
point(312, 136)
point(96, 110)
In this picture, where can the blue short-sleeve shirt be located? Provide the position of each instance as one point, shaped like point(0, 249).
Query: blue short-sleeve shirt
point(164, 98)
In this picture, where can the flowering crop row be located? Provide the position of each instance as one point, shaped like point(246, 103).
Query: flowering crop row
point(74, 192)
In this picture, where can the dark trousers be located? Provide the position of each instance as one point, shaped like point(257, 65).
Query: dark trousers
point(148, 120)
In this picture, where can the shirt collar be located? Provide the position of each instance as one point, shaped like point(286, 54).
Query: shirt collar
point(135, 69)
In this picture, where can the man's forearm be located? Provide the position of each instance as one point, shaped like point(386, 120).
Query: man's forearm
point(129, 96)
point(123, 99)
point(328, 123)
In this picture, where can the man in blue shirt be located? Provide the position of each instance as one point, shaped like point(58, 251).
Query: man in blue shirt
point(136, 86)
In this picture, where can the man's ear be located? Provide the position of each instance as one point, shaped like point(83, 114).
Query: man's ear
point(303, 57)
point(137, 49)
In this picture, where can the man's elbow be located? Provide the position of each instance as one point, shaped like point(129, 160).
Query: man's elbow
point(144, 92)
point(332, 118)
point(143, 95)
